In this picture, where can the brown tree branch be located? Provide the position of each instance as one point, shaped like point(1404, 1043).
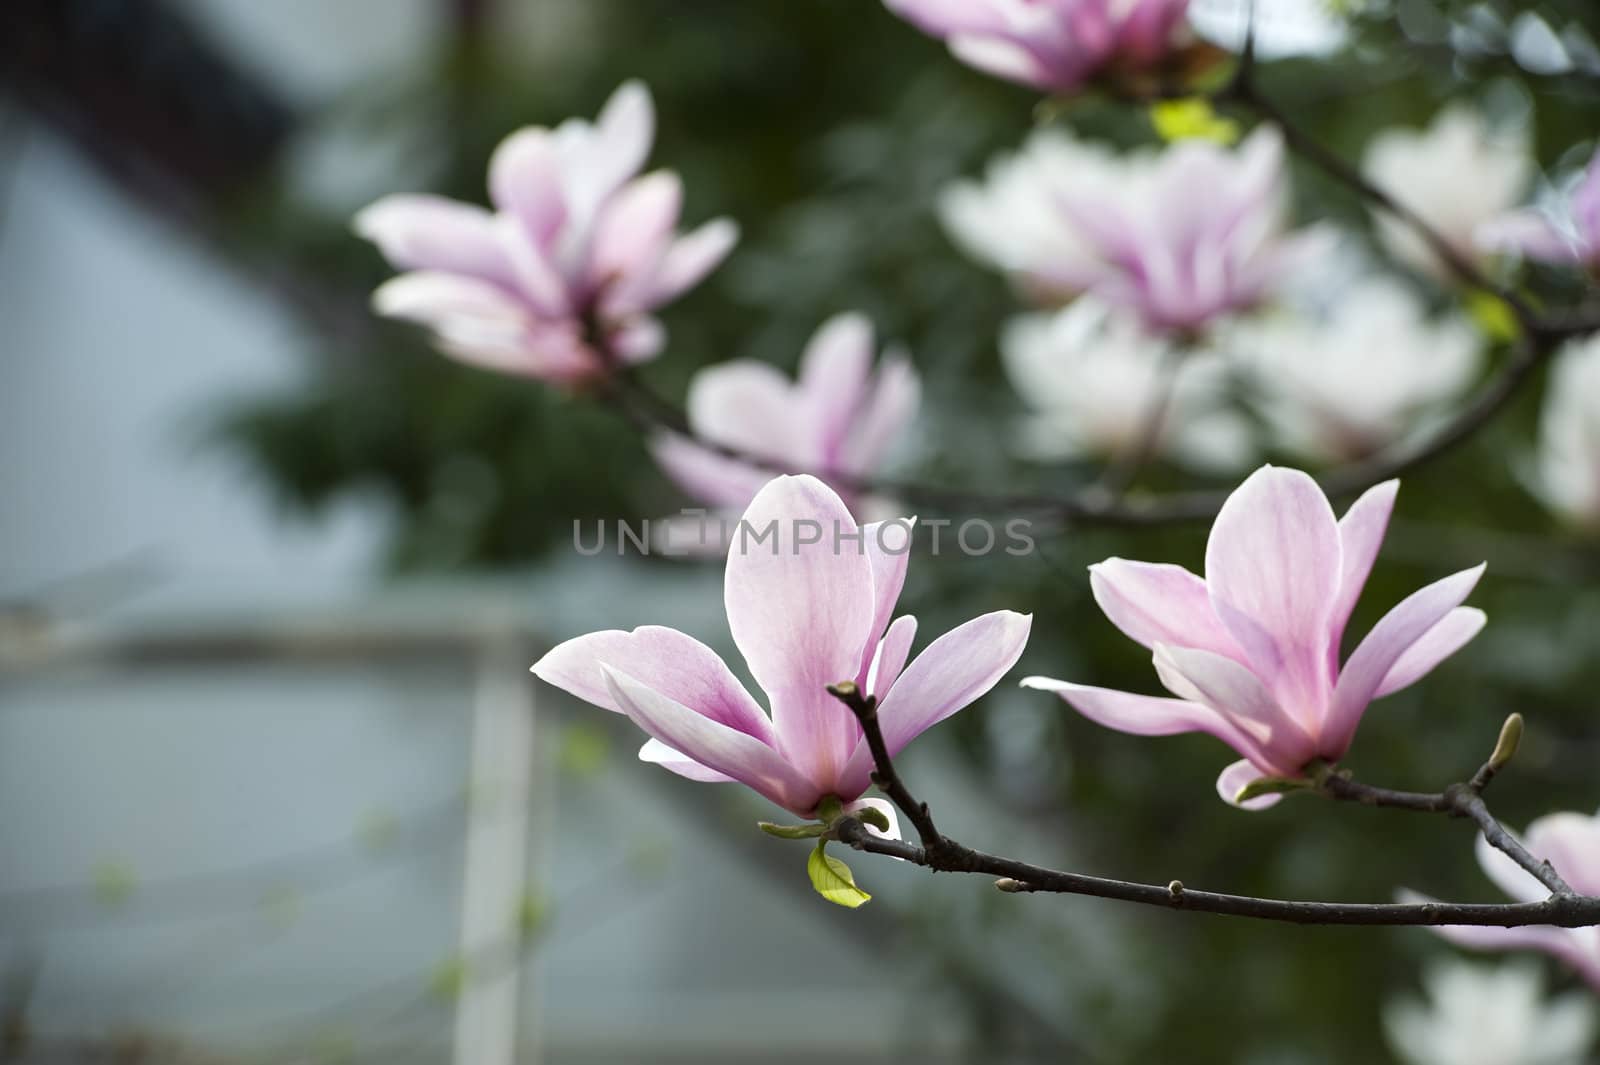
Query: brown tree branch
point(940, 853)
point(1458, 800)
point(1093, 506)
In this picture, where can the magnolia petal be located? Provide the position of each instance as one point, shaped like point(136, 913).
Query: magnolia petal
point(525, 182)
point(888, 547)
point(547, 353)
point(893, 652)
point(418, 232)
point(689, 259)
point(941, 17)
point(632, 234)
point(1005, 59)
point(667, 758)
point(1146, 33)
point(749, 405)
point(1507, 875)
point(1217, 681)
point(883, 416)
point(1273, 570)
point(625, 130)
point(638, 340)
point(432, 297)
point(706, 475)
point(1138, 715)
point(668, 661)
point(1529, 233)
point(833, 375)
point(1361, 533)
point(533, 273)
point(1571, 843)
point(1437, 644)
point(801, 613)
point(1383, 647)
point(1562, 943)
point(712, 744)
point(1156, 603)
point(1236, 778)
point(1239, 697)
point(950, 674)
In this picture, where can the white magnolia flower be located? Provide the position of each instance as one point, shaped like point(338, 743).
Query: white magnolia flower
point(1456, 175)
point(1092, 377)
point(1569, 435)
point(1488, 1015)
point(1183, 235)
point(1013, 220)
point(1342, 384)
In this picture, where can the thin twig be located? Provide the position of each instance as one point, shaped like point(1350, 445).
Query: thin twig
point(865, 708)
point(1458, 800)
point(651, 413)
point(940, 853)
point(1245, 92)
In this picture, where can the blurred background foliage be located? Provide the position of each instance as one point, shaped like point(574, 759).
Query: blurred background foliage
point(827, 129)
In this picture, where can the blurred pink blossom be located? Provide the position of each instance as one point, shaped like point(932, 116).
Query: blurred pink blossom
point(1054, 45)
point(837, 418)
point(1252, 650)
point(1571, 843)
point(1569, 235)
point(576, 242)
point(1196, 233)
point(1179, 237)
point(806, 611)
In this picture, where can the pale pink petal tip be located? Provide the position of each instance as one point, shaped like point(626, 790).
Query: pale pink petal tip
point(1235, 778)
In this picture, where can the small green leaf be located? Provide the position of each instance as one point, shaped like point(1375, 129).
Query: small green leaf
point(114, 883)
point(833, 880)
point(811, 831)
point(871, 815)
point(1192, 118)
point(1493, 315)
point(533, 912)
point(449, 979)
point(584, 750)
point(1270, 786)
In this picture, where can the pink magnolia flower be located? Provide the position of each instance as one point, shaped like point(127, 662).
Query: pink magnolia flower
point(576, 243)
point(837, 418)
point(1569, 236)
point(1571, 843)
point(809, 596)
point(1252, 650)
point(1181, 259)
point(1055, 45)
